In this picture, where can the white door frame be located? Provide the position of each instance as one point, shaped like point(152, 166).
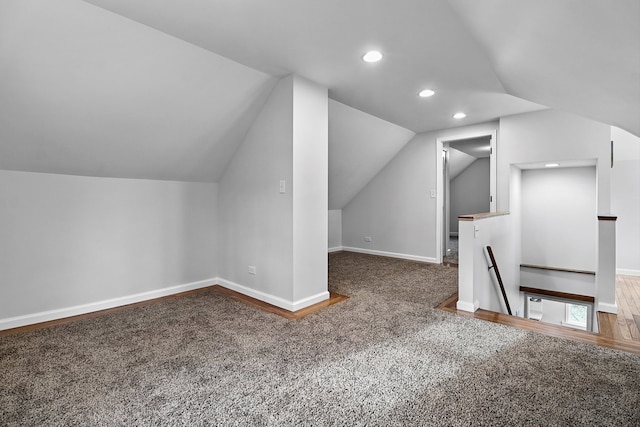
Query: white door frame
point(440, 143)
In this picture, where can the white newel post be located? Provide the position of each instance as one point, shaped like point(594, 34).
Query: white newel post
point(466, 300)
point(606, 273)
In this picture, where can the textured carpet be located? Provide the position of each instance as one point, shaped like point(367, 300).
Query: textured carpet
point(383, 357)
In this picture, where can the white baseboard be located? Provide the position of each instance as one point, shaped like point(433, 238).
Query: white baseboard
point(46, 316)
point(607, 308)
point(626, 272)
point(336, 249)
point(471, 307)
point(272, 299)
point(391, 254)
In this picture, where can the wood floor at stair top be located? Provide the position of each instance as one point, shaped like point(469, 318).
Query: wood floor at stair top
point(626, 324)
point(615, 341)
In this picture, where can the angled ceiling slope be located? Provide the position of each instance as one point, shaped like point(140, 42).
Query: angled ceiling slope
point(360, 145)
point(87, 92)
point(581, 56)
point(424, 43)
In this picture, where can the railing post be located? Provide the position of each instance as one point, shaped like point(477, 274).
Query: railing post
point(606, 272)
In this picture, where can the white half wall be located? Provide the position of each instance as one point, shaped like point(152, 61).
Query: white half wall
point(477, 286)
point(74, 244)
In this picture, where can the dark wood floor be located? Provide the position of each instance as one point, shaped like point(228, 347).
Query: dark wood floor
point(619, 331)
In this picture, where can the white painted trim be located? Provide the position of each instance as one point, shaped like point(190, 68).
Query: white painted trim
point(391, 254)
point(471, 307)
point(268, 298)
point(272, 299)
point(493, 182)
point(607, 308)
point(336, 249)
point(626, 272)
point(46, 316)
point(314, 299)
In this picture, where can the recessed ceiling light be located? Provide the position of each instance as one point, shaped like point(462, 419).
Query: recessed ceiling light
point(372, 56)
point(552, 165)
point(459, 115)
point(426, 93)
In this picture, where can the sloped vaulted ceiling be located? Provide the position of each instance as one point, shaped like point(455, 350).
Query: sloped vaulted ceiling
point(581, 56)
point(86, 92)
point(165, 89)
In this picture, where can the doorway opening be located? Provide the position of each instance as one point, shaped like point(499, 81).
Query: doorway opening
point(466, 185)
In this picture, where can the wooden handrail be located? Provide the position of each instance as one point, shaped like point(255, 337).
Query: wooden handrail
point(566, 270)
point(494, 265)
point(557, 294)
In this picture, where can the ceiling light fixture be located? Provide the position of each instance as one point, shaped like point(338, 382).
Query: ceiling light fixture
point(552, 165)
point(426, 93)
point(459, 115)
point(372, 56)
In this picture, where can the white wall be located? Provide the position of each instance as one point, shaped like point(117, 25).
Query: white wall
point(547, 136)
point(559, 218)
point(74, 244)
point(282, 234)
point(310, 192)
point(625, 200)
point(470, 192)
point(335, 230)
point(254, 219)
point(395, 207)
point(477, 286)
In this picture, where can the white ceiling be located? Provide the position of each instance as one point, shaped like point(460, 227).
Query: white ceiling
point(581, 56)
point(161, 89)
point(86, 92)
point(424, 42)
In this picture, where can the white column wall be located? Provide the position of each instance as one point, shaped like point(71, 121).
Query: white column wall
point(255, 220)
point(310, 192)
point(281, 232)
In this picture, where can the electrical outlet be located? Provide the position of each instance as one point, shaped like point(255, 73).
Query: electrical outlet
point(252, 269)
point(283, 186)
point(433, 194)
point(368, 239)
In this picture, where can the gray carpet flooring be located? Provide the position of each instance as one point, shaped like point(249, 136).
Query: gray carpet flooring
point(384, 357)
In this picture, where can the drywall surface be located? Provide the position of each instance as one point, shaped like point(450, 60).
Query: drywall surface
point(273, 201)
point(395, 208)
point(310, 190)
point(625, 200)
point(89, 92)
point(359, 146)
point(335, 230)
point(69, 241)
point(477, 284)
point(469, 191)
point(255, 219)
point(559, 218)
point(553, 136)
